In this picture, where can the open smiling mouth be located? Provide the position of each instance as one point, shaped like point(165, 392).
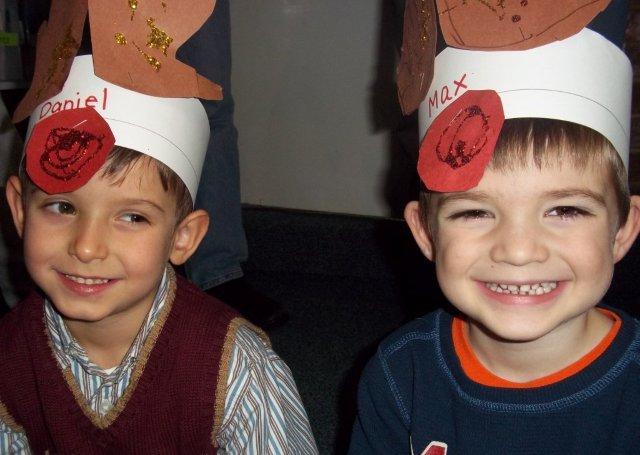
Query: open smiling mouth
point(86, 281)
point(541, 288)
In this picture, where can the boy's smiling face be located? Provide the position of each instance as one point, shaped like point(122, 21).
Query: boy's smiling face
point(99, 252)
point(548, 235)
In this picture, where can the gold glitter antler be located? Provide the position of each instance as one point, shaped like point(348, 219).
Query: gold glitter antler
point(157, 38)
point(135, 42)
point(61, 54)
point(415, 69)
point(154, 62)
point(57, 45)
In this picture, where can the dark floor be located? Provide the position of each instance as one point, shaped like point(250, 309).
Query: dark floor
point(347, 282)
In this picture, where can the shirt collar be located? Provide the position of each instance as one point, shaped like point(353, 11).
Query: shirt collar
point(66, 348)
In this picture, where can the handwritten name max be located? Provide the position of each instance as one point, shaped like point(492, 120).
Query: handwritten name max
point(443, 96)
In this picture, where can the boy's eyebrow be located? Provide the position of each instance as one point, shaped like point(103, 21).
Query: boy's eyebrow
point(134, 201)
point(477, 196)
point(480, 196)
point(577, 192)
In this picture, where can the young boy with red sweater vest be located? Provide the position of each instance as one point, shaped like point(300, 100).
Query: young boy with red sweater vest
point(114, 352)
point(525, 210)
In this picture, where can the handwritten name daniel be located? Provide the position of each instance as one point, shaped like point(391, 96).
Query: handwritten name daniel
point(95, 101)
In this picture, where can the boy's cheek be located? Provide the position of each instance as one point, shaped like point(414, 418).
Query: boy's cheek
point(452, 256)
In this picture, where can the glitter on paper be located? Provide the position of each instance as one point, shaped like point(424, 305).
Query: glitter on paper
point(494, 9)
point(68, 151)
point(120, 39)
point(460, 149)
point(67, 148)
point(425, 23)
point(63, 51)
point(415, 68)
point(158, 39)
point(133, 5)
point(459, 142)
point(154, 62)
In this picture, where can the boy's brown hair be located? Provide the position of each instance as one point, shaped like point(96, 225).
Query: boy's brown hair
point(550, 143)
point(118, 164)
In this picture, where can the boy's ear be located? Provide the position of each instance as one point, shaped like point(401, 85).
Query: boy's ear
point(188, 235)
point(420, 233)
point(13, 192)
point(627, 234)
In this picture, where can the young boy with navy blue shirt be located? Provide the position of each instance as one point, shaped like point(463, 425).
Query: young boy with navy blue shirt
point(525, 210)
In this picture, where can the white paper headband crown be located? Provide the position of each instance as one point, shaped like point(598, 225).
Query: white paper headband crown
point(583, 79)
point(175, 131)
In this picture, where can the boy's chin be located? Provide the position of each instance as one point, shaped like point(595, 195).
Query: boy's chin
point(73, 311)
point(504, 334)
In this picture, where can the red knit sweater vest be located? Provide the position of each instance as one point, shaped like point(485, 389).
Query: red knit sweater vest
point(170, 408)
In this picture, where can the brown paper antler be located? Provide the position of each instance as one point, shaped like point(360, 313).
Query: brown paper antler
point(135, 43)
point(57, 44)
point(415, 69)
point(513, 24)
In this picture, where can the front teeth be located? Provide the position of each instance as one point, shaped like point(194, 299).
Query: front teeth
point(80, 280)
point(524, 289)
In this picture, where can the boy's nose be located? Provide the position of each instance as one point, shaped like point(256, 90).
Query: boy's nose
point(519, 244)
point(89, 241)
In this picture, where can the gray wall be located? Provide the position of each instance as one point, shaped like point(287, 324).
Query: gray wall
point(315, 103)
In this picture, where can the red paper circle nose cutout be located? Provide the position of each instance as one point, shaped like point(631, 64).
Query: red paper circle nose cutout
point(67, 148)
point(459, 143)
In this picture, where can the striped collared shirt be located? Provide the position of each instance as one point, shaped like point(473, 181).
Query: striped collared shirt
point(263, 412)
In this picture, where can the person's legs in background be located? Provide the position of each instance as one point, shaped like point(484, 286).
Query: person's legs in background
point(13, 277)
point(215, 267)
point(218, 258)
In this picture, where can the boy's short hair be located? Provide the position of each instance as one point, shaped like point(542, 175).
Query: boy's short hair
point(550, 143)
point(118, 164)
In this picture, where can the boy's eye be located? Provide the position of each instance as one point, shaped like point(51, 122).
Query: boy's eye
point(567, 212)
point(61, 207)
point(470, 215)
point(134, 218)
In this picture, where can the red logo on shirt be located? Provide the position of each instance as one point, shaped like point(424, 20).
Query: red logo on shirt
point(435, 448)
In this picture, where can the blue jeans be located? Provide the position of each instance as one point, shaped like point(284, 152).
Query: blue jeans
point(225, 246)
point(13, 278)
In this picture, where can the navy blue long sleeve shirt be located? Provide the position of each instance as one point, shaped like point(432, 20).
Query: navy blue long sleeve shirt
point(414, 393)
